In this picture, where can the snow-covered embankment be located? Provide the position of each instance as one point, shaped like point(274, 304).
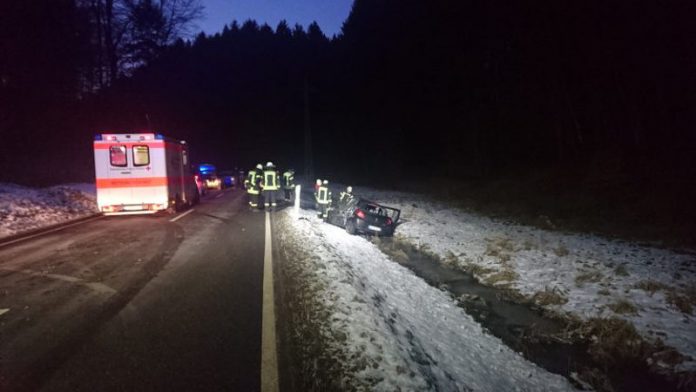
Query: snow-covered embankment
point(402, 333)
point(23, 208)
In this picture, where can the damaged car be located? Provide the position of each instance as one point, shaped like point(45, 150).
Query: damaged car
point(362, 216)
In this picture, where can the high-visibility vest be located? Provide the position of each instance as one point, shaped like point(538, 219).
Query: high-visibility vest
point(251, 181)
point(323, 195)
point(288, 180)
point(270, 180)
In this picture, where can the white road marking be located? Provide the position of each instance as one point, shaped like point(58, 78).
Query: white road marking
point(3, 311)
point(181, 216)
point(96, 286)
point(269, 356)
point(49, 231)
point(219, 195)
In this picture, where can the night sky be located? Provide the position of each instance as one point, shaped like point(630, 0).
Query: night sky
point(330, 14)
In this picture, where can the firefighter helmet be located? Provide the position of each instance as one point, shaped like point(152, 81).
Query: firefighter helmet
point(270, 164)
point(326, 182)
point(259, 166)
point(349, 189)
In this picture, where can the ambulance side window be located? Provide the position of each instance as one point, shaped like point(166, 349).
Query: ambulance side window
point(141, 155)
point(118, 157)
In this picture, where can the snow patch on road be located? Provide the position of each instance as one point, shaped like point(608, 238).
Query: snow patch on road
point(598, 277)
point(401, 333)
point(23, 208)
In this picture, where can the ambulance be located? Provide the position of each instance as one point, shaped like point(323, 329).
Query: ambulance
point(142, 173)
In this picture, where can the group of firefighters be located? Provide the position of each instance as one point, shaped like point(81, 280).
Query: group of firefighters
point(266, 181)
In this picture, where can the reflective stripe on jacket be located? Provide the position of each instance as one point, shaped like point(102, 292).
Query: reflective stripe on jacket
point(288, 180)
point(251, 183)
point(270, 180)
point(323, 195)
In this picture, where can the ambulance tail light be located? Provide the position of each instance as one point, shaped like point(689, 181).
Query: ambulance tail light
point(360, 213)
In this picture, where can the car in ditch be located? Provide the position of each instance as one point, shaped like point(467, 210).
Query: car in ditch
point(362, 216)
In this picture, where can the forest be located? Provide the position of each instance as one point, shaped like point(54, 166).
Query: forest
point(409, 91)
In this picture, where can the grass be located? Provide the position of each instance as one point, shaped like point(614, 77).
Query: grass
point(651, 286)
point(549, 297)
point(683, 302)
point(612, 340)
point(561, 251)
point(588, 276)
point(504, 277)
point(621, 270)
point(623, 306)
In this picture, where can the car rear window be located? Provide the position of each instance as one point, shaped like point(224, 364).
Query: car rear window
point(118, 157)
point(141, 155)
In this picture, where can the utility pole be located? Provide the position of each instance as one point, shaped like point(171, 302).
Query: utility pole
point(308, 161)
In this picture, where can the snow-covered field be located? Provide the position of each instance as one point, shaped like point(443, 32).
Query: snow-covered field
point(594, 276)
point(23, 208)
point(406, 334)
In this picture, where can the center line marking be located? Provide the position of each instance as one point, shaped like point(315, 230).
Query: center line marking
point(269, 357)
point(182, 215)
point(219, 196)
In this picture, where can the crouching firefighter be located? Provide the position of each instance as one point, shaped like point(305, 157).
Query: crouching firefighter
point(323, 196)
point(270, 185)
point(289, 184)
point(252, 186)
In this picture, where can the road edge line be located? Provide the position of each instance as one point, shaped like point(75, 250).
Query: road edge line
point(176, 218)
point(269, 354)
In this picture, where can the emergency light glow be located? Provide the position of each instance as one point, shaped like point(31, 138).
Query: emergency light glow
point(360, 213)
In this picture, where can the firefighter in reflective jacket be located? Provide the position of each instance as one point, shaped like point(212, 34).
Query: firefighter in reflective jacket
point(323, 196)
point(270, 185)
point(252, 185)
point(288, 184)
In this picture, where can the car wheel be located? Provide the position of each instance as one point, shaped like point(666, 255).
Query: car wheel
point(351, 227)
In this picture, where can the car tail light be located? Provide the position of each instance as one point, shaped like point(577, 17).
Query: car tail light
point(389, 221)
point(360, 213)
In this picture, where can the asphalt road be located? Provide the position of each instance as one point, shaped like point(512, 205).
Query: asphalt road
point(137, 303)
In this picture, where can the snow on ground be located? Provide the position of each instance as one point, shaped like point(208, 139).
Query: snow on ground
point(598, 277)
point(409, 335)
point(23, 208)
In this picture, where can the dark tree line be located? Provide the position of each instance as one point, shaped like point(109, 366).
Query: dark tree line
point(409, 89)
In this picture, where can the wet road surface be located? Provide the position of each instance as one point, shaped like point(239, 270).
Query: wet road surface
point(137, 303)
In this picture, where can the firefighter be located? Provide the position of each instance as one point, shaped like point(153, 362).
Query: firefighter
point(288, 184)
point(324, 199)
point(270, 185)
point(252, 186)
point(347, 195)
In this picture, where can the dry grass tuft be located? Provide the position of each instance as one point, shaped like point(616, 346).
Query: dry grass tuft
point(683, 302)
point(561, 251)
point(650, 286)
point(623, 306)
point(504, 277)
point(613, 340)
point(549, 297)
point(588, 276)
point(621, 270)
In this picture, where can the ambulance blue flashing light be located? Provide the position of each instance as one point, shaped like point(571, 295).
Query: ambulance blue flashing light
point(98, 137)
point(159, 137)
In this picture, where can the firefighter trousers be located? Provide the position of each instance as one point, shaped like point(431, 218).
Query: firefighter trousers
point(288, 194)
point(270, 198)
point(254, 200)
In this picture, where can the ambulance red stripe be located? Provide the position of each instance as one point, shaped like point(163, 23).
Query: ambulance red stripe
point(131, 182)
